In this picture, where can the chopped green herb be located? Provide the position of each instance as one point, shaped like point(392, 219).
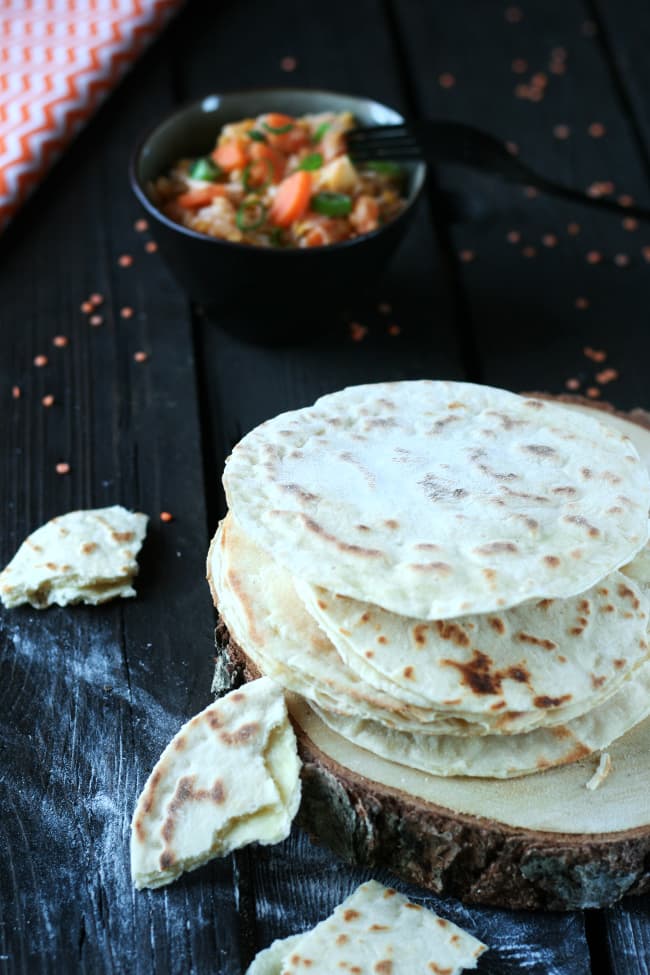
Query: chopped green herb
point(256, 135)
point(277, 237)
point(331, 204)
point(384, 168)
point(251, 215)
point(246, 173)
point(320, 131)
point(313, 161)
point(206, 170)
point(279, 130)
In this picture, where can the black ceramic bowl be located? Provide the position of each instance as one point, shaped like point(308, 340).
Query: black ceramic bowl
point(261, 280)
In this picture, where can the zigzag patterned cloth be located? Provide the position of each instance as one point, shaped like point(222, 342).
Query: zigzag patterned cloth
point(58, 60)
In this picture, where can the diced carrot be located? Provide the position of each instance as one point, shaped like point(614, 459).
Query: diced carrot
point(316, 237)
point(262, 151)
point(231, 155)
point(275, 120)
point(292, 199)
point(195, 199)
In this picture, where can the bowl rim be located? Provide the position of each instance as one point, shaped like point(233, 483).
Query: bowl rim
point(141, 195)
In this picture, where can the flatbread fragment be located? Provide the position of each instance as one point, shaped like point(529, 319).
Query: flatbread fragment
point(376, 931)
point(230, 777)
point(80, 557)
point(438, 499)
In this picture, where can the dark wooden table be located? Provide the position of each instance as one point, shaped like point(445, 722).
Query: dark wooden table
point(491, 285)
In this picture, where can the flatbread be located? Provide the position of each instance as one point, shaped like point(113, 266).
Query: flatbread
point(504, 756)
point(80, 557)
point(439, 499)
point(266, 618)
point(376, 931)
point(524, 658)
point(230, 777)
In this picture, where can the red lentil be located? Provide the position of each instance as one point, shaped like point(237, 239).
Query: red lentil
point(572, 384)
point(166, 516)
point(40, 361)
point(596, 130)
point(529, 251)
point(140, 356)
point(513, 236)
point(593, 257)
point(596, 355)
point(549, 240)
point(288, 63)
point(62, 468)
point(60, 341)
point(630, 223)
point(151, 247)
point(96, 299)
point(622, 260)
point(125, 260)
point(467, 256)
point(573, 229)
point(446, 80)
point(519, 66)
point(593, 392)
point(126, 312)
point(86, 307)
point(16, 392)
point(48, 400)
point(607, 376)
point(582, 303)
point(394, 329)
point(561, 131)
point(96, 320)
point(141, 226)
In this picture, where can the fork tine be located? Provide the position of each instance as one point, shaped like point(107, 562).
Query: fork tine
point(384, 148)
point(386, 155)
point(386, 131)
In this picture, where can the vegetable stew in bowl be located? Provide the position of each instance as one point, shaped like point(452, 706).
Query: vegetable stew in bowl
point(284, 182)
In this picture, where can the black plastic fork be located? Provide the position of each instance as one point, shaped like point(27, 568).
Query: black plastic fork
point(456, 143)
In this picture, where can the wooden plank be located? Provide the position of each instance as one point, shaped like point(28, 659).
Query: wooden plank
point(527, 327)
point(91, 696)
point(623, 33)
point(297, 885)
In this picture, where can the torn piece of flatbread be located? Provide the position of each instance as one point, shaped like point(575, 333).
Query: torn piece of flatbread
point(376, 931)
point(230, 777)
point(79, 557)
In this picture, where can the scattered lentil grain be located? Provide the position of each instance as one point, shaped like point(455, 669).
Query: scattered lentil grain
point(446, 80)
point(140, 356)
point(593, 257)
point(573, 229)
point(582, 303)
point(513, 236)
point(16, 392)
point(549, 240)
point(622, 260)
point(48, 400)
point(62, 468)
point(40, 361)
point(529, 251)
point(467, 256)
point(394, 329)
point(288, 63)
point(166, 516)
point(86, 307)
point(607, 376)
point(596, 355)
point(96, 320)
point(630, 223)
point(141, 226)
point(572, 384)
point(60, 341)
point(561, 131)
point(151, 247)
point(593, 392)
point(125, 260)
point(596, 130)
point(126, 312)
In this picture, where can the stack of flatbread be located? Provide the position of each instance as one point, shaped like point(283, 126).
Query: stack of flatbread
point(453, 577)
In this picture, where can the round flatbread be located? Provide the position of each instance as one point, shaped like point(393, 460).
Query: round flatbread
point(439, 499)
point(504, 756)
point(542, 653)
point(269, 622)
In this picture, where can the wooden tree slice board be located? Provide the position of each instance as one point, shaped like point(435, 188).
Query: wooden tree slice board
point(541, 841)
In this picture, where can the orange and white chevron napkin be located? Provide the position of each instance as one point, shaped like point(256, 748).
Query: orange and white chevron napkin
point(58, 60)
